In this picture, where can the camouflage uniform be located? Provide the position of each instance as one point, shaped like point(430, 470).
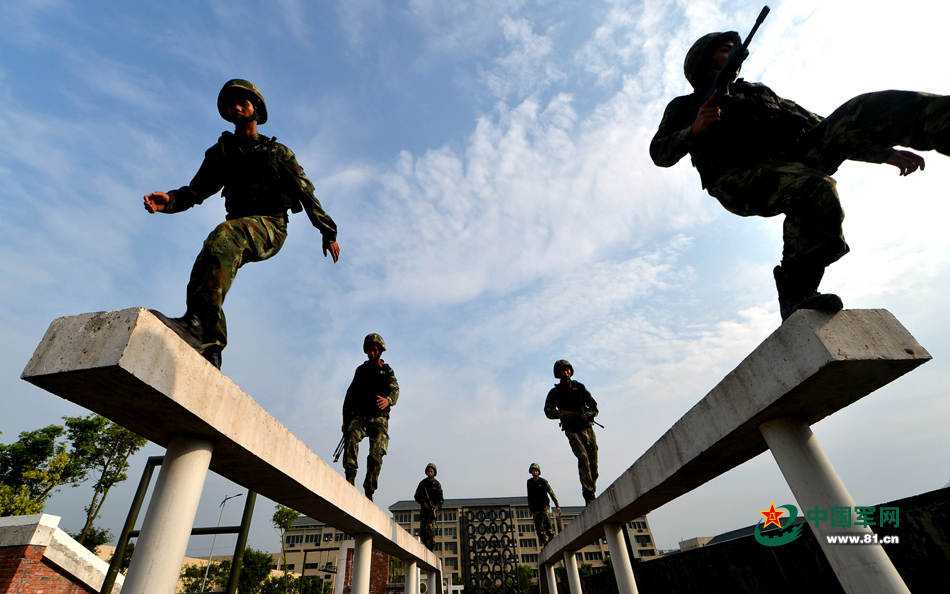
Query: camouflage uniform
point(429, 491)
point(261, 180)
point(573, 396)
point(362, 418)
point(769, 156)
point(538, 503)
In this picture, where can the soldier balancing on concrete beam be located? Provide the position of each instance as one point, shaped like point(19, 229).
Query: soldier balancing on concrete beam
point(570, 402)
point(261, 180)
point(429, 497)
point(371, 394)
point(540, 506)
point(762, 155)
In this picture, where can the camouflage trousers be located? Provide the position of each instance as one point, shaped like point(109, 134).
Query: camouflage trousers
point(232, 244)
point(377, 431)
point(427, 529)
point(543, 525)
point(800, 186)
point(584, 445)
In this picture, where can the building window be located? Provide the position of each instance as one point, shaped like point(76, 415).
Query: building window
point(579, 557)
point(522, 513)
point(643, 539)
point(415, 532)
point(647, 553)
point(528, 542)
point(450, 531)
point(450, 547)
point(451, 562)
point(595, 556)
point(638, 525)
point(448, 516)
point(523, 528)
point(312, 537)
point(529, 558)
point(294, 539)
point(403, 518)
point(437, 547)
point(312, 566)
point(416, 518)
point(327, 537)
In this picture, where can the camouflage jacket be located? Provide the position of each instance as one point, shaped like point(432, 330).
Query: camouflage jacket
point(369, 381)
point(259, 176)
point(430, 490)
point(538, 492)
point(573, 397)
point(756, 125)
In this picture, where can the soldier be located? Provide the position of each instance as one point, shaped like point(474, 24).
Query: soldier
point(762, 155)
point(570, 402)
point(429, 497)
point(261, 180)
point(371, 394)
point(539, 504)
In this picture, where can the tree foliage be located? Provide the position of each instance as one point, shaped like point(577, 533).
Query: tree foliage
point(255, 568)
point(283, 520)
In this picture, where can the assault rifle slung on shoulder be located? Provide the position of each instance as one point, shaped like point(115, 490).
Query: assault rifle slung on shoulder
point(719, 79)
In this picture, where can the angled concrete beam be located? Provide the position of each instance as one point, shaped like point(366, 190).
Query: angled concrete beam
point(813, 365)
point(129, 367)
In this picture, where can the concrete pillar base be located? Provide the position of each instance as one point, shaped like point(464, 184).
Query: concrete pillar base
point(623, 570)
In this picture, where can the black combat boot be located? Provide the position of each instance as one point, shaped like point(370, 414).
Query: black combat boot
point(797, 286)
point(369, 495)
point(588, 497)
point(351, 476)
point(189, 327)
point(213, 355)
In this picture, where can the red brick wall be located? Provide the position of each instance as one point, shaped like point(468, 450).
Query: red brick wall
point(378, 572)
point(23, 570)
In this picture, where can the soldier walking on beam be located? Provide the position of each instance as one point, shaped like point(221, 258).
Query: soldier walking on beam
point(372, 393)
point(762, 155)
point(261, 181)
point(429, 497)
point(540, 506)
point(570, 402)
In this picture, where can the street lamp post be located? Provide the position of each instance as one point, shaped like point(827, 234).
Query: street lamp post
point(208, 568)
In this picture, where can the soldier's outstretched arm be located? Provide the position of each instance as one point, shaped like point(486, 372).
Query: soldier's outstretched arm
point(334, 249)
point(906, 161)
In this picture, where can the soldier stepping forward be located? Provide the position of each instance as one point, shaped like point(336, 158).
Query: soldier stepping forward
point(371, 394)
point(429, 497)
point(762, 155)
point(570, 402)
point(540, 506)
point(261, 180)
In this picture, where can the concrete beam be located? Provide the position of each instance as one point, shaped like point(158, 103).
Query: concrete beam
point(129, 367)
point(813, 365)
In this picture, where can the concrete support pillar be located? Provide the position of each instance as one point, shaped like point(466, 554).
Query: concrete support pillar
point(815, 484)
point(551, 578)
point(620, 560)
point(362, 560)
point(434, 579)
point(161, 547)
point(412, 576)
point(573, 577)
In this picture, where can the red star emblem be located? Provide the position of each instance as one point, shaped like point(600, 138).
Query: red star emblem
point(772, 516)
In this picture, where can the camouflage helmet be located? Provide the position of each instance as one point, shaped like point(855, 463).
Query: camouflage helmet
point(700, 54)
point(247, 88)
point(374, 339)
point(561, 364)
point(534, 466)
point(431, 465)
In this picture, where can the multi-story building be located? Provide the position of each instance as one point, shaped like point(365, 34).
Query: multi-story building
point(465, 528)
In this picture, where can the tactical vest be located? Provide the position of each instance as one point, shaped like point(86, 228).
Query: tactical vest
point(253, 174)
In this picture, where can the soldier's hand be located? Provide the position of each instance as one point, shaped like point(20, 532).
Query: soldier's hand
point(906, 161)
point(343, 428)
point(156, 202)
point(334, 249)
point(558, 511)
point(382, 402)
point(708, 114)
point(583, 417)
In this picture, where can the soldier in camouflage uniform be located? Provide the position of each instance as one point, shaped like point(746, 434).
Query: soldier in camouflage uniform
point(570, 402)
point(261, 180)
point(371, 394)
point(762, 155)
point(429, 497)
point(538, 491)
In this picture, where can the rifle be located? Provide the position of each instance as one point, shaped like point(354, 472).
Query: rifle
point(725, 75)
point(339, 449)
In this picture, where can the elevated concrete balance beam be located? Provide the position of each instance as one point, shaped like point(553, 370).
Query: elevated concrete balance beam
point(129, 367)
point(813, 365)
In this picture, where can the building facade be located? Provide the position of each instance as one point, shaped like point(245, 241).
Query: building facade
point(475, 539)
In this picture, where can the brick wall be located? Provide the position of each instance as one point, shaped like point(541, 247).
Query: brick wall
point(378, 572)
point(24, 570)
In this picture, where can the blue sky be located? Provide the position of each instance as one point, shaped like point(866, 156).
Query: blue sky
point(486, 163)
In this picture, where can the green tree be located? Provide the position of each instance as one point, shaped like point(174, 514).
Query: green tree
point(585, 569)
point(33, 467)
point(283, 520)
point(525, 577)
point(94, 538)
point(193, 575)
point(106, 448)
point(255, 568)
